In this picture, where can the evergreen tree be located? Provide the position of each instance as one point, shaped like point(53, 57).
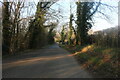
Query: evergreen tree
point(85, 11)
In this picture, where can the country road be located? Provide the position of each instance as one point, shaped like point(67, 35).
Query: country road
point(49, 62)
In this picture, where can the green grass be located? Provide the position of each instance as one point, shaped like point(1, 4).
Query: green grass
point(100, 61)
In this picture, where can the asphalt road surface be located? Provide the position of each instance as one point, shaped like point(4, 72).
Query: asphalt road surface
point(49, 62)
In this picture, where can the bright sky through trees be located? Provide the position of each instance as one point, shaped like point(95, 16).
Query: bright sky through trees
point(64, 8)
point(99, 21)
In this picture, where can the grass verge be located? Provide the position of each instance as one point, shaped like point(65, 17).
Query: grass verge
point(100, 61)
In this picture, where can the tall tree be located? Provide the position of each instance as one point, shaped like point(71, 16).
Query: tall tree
point(85, 11)
point(38, 36)
point(6, 28)
point(70, 29)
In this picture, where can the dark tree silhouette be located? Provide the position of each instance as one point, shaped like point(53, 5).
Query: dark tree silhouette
point(85, 11)
point(6, 28)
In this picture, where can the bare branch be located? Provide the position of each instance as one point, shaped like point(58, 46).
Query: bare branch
point(103, 14)
point(94, 10)
point(28, 18)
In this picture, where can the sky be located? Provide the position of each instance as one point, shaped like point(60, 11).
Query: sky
point(63, 6)
point(99, 22)
point(112, 22)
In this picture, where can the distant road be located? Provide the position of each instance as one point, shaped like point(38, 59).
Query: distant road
point(49, 62)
